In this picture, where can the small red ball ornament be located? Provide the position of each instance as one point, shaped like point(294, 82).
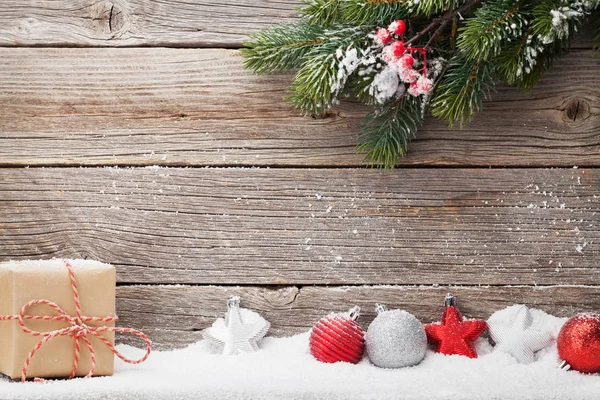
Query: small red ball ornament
point(338, 337)
point(579, 343)
point(398, 27)
point(453, 335)
point(397, 48)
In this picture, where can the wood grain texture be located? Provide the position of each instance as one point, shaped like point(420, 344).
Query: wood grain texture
point(199, 107)
point(138, 22)
point(302, 226)
point(174, 316)
point(147, 22)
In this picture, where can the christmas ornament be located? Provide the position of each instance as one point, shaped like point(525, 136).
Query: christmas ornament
point(579, 343)
point(464, 49)
point(453, 335)
point(395, 339)
point(517, 338)
point(338, 337)
point(239, 332)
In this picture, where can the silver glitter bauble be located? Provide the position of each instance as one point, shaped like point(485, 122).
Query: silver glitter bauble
point(395, 339)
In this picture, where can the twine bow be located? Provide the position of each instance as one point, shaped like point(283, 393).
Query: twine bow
point(77, 329)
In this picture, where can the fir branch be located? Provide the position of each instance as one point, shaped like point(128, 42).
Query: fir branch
point(361, 88)
point(553, 24)
point(541, 23)
point(441, 22)
point(321, 12)
point(382, 12)
point(317, 85)
point(387, 131)
point(492, 25)
point(337, 54)
point(543, 62)
point(462, 90)
point(280, 48)
point(375, 12)
point(311, 89)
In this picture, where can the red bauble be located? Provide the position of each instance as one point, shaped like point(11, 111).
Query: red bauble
point(453, 335)
point(398, 27)
point(579, 343)
point(338, 337)
point(397, 48)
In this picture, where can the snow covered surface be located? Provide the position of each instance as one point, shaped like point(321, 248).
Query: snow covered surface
point(283, 368)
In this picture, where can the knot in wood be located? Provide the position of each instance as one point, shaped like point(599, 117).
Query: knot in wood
point(575, 110)
point(116, 19)
point(108, 17)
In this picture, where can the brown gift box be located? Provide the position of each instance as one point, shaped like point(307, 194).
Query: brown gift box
point(23, 281)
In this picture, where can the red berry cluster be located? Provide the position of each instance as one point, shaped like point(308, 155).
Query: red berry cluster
point(395, 52)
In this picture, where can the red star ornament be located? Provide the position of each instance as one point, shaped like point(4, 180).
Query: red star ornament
point(454, 335)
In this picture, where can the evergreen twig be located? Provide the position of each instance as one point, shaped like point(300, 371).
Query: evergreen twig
point(336, 52)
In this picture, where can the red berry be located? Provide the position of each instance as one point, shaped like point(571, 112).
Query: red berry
point(383, 36)
point(407, 60)
point(397, 48)
point(398, 27)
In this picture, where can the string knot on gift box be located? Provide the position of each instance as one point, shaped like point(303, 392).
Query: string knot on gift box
point(77, 329)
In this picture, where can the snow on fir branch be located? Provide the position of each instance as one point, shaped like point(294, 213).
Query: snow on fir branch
point(407, 57)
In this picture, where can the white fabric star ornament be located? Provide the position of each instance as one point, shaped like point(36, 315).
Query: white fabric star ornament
point(517, 338)
point(239, 332)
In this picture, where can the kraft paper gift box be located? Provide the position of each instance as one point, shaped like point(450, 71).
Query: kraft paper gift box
point(23, 281)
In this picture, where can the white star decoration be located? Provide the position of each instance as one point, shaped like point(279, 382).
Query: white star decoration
point(237, 333)
point(518, 338)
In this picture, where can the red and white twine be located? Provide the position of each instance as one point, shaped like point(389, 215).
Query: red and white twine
point(77, 329)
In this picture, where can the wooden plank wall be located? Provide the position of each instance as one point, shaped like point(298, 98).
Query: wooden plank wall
point(120, 122)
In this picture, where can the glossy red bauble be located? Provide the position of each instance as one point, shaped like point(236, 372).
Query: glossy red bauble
point(579, 343)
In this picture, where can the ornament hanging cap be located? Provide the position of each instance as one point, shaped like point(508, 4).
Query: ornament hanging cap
point(565, 366)
point(450, 300)
point(380, 308)
point(234, 301)
point(354, 313)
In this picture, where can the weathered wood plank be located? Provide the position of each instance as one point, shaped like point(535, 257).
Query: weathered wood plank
point(299, 226)
point(138, 22)
point(199, 107)
point(146, 22)
point(173, 316)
